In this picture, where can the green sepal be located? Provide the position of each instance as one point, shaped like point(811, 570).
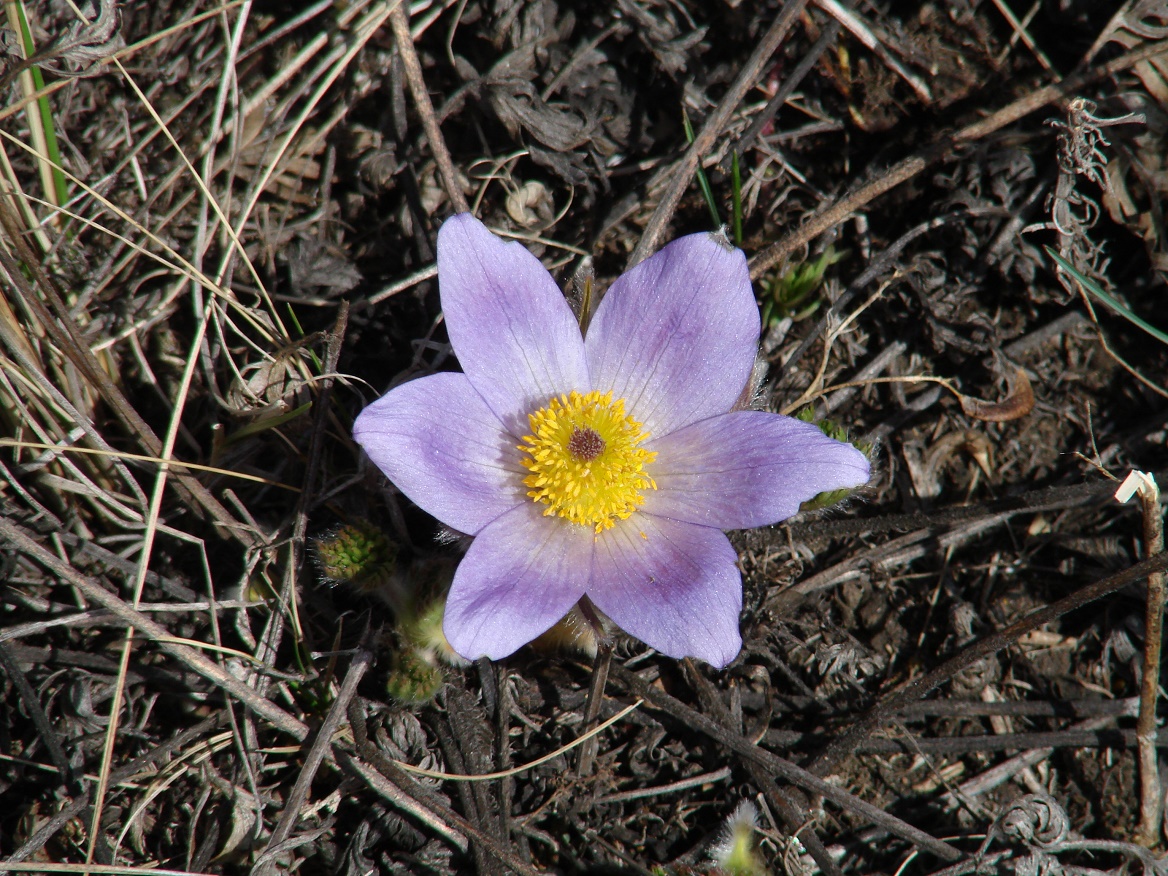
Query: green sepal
point(413, 680)
point(358, 554)
point(837, 432)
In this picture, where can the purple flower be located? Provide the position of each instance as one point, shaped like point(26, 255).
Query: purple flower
point(604, 466)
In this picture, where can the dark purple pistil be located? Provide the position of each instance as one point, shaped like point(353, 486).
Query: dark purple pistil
point(585, 444)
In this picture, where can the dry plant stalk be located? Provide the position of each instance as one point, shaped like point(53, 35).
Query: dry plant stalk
point(1151, 796)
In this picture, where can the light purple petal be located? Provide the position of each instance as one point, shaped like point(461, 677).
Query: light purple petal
point(510, 325)
point(676, 589)
point(747, 468)
point(442, 446)
point(519, 577)
point(677, 335)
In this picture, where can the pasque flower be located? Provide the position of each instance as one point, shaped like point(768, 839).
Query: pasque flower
point(604, 466)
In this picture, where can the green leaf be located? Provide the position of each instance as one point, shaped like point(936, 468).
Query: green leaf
point(1104, 297)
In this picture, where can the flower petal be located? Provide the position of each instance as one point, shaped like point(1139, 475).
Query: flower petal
point(510, 325)
point(672, 585)
point(747, 468)
point(677, 335)
point(521, 575)
point(437, 440)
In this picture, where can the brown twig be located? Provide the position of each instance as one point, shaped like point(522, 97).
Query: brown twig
point(910, 167)
point(779, 767)
point(846, 744)
point(407, 802)
point(45, 730)
point(790, 810)
point(987, 780)
point(681, 172)
point(1044, 499)
point(958, 745)
point(15, 535)
point(393, 783)
point(790, 83)
point(587, 756)
point(321, 746)
point(1084, 708)
point(400, 22)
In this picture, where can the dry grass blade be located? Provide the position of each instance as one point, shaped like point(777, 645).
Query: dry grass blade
point(840, 749)
point(193, 466)
point(591, 734)
point(904, 170)
point(231, 248)
point(679, 176)
point(17, 538)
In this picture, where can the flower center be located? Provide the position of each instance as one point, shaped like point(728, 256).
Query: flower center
point(586, 460)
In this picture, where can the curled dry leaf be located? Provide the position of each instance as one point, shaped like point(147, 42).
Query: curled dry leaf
point(530, 204)
point(1016, 405)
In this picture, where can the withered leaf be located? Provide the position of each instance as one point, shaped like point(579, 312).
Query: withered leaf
point(1016, 405)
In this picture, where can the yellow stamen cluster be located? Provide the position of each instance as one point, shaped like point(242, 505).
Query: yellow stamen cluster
point(586, 461)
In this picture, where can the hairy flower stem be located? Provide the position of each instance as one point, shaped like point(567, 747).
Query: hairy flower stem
point(600, 667)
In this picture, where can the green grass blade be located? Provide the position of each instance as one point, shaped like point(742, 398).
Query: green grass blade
point(52, 148)
point(703, 180)
point(300, 334)
point(267, 423)
point(1104, 297)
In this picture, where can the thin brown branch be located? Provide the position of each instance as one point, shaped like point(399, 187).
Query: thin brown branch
point(400, 22)
point(911, 166)
point(792, 811)
point(1043, 499)
point(321, 747)
point(393, 783)
point(779, 767)
point(587, 755)
point(790, 83)
point(680, 173)
point(958, 745)
point(1151, 796)
point(846, 744)
point(16, 536)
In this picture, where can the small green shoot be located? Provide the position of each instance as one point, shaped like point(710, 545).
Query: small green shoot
point(413, 680)
point(790, 295)
point(300, 334)
point(736, 854)
point(266, 423)
point(1105, 297)
point(703, 180)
